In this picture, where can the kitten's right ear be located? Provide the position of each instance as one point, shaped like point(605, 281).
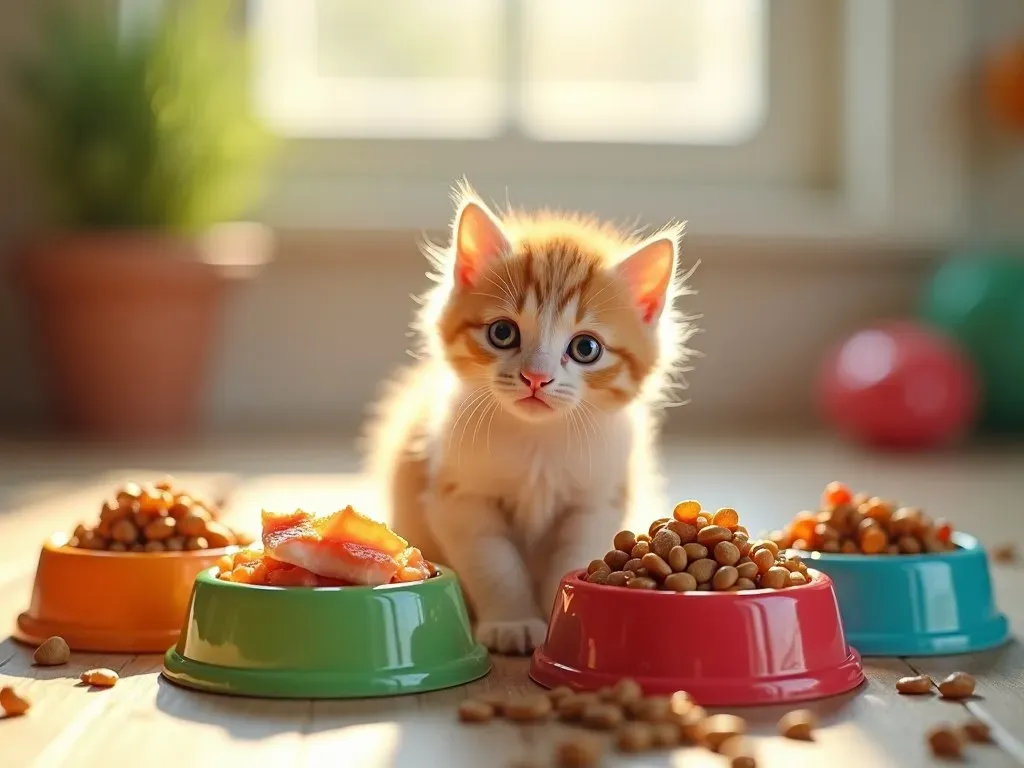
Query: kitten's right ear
point(478, 240)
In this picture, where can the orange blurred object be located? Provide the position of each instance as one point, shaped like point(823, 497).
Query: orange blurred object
point(111, 601)
point(1004, 86)
point(836, 494)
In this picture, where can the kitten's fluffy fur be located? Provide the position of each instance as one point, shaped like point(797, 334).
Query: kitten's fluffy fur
point(511, 493)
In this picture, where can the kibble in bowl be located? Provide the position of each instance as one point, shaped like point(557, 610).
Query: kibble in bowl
point(896, 557)
point(103, 590)
point(698, 569)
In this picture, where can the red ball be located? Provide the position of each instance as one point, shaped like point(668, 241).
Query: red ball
point(899, 385)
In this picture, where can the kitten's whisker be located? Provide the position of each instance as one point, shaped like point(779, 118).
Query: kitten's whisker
point(469, 420)
point(480, 421)
point(474, 397)
point(501, 287)
point(490, 419)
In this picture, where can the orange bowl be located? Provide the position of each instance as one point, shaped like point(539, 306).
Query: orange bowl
point(114, 602)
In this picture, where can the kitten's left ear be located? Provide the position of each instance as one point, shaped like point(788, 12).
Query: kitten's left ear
point(648, 272)
point(478, 239)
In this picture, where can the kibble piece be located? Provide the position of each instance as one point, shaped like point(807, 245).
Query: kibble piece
point(977, 731)
point(528, 709)
point(53, 652)
point(680, 582)
point(727, 553)
point(124, 531)
point(11, 703)
point(686, 511)
point(945, 741)
point(602, 716)
point(763, 559)
point(627, 690)
point(634, 565)
point(702, 570)
point(657, 525)
point(571, 708)
point(656, 567)
point(616, 559)
point(155, 546)
point(577, 753)
point(619, 578)
point(914, 686)
point(798, 724)
point(724, 578)
point(748, 570)
point(726, 518)
point(958, 685)
point(1006, 553)
point(687, 532)
point(796, 579)
point(193, 543)
point(793, 564)
point(712, 534)
point(717, 728)
point(653, 709)
point(175, 544)
point(642, 582)
point(101, 677)
point(739, 752)
point(695, 551)
point(599, 577)
point(560, 693)
point(677, 559)
point(663, 542)
point(742, 584)
point(775, 577)
point(691, 723)
point(117, 546)
point(640, 549)
point(598, 565)
point(634, 737)
point(192, 524)
point(473, 711)
point(624, 541)
point(161, 528)
point(642, 537)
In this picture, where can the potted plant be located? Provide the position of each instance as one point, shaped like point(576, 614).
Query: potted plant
point(150, 148)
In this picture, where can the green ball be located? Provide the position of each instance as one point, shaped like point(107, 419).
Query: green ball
point(977, 298)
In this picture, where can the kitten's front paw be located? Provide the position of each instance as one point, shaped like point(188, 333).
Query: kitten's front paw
point(512, 637)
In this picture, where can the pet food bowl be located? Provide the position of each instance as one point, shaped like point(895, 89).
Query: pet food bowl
point(724, 648)
point(916, 605)
point(326, 642)
point(116, 602)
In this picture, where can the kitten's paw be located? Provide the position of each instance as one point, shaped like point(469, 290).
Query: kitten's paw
point(512, 637)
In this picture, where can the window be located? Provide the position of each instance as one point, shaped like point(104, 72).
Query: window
point(619, 71)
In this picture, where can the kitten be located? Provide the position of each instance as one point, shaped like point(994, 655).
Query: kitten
point(513, 450)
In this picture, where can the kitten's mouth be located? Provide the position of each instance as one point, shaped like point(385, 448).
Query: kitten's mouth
point(533, 402)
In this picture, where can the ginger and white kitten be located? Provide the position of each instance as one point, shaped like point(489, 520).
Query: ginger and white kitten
point(514, 449)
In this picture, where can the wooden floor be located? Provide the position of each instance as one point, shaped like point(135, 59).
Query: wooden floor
point(146, 721)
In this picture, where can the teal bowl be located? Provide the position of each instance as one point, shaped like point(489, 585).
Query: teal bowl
point(916, 605)
point(326, 642)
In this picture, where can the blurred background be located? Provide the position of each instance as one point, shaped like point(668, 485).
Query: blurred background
point(840, 164)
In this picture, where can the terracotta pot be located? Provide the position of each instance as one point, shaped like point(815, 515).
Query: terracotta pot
point(127, 321)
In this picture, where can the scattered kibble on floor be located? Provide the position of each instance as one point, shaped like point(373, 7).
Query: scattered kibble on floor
point(11, 703)
point(102, 677)
point(798, 724)
point(914, 686)
point(958, 685)
point(577, 753)
point(977, 731)
point(946, 741)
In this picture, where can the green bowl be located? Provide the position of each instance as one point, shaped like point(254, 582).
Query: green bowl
point(326, 642)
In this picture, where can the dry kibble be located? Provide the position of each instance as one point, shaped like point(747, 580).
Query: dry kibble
point(714, 730)
point(727, 553)
point(192, 524)
point(101, 677)
point(775, 577)
point(597, 565)
point(695, 551)
point(619, 578)
point(571, 708)
point(763, 559)
point(53, 652)
point(161, 528)
point(634, 737)
point(642, 582)
point(748, 570)
point(124, 531)
point(977, 731)
point(657, 525)
point(634, 565)
point(175, 544)
point(739, 752)
point(560, 693)
point(914, 686)
point(627, 690)
point(643, 537)
point(712, 534)
point(702, 570)
point(158, 546)
point(602, 716)
point(640, 549)
point(680, 582)
point(945, 741)
point(798, 724)
point(686, 511)
point(677, 559)
point(796, 579)
point(958, 685)
point(687, 532)
point(616, 559)
point(577, 753)
point(599, 577)
point(11, 703)
point(472, 711)
point(663, 542)
point(624, 541)
point(527, 709)
point(726, 518)
point(657, 568)
point(666, 735)
point(196, 542)
point(742, 584)
point(653, 709)
point(725, 577)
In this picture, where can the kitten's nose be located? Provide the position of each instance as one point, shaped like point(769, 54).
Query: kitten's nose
point(535, 379)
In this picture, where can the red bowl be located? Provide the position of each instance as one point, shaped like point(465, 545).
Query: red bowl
point(724, 648)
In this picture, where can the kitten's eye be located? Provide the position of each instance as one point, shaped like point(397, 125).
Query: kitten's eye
point(503, 334)
point(585, 349)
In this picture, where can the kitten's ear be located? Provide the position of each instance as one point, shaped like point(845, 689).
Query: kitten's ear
point(648, 272)
point(478, 239)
